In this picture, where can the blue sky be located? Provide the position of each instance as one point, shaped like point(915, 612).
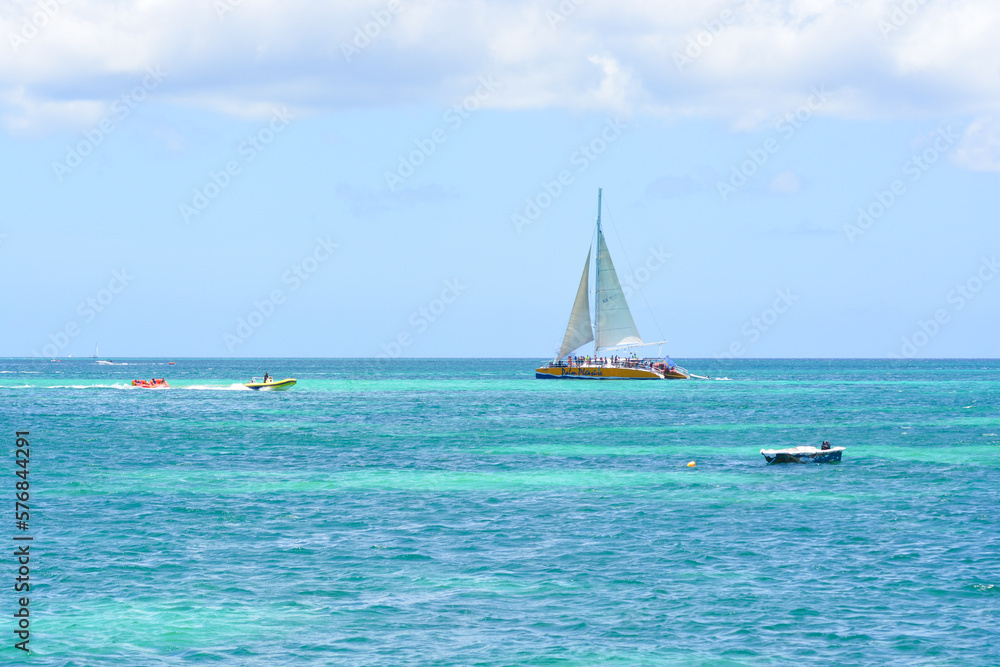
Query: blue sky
point(257, 179)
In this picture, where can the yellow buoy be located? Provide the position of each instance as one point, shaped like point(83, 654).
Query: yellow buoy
point(690, 464)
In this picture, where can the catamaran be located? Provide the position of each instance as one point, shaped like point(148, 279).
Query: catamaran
point(612, 330)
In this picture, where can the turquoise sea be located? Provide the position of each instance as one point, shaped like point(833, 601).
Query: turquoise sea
point(461, 512)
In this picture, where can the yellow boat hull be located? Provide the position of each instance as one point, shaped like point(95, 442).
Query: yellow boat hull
point(283, 385)
point(606, 373)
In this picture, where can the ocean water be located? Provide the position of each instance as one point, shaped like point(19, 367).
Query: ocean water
point(460, 512)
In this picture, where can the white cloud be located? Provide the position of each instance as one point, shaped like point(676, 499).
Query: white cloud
point(785, 183)
point(27, 114)
point(758, 60)
point(979, 148)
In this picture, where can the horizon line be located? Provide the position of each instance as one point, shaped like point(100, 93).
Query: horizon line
point(509, 358)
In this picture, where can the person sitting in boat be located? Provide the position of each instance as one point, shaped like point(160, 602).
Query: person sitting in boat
point(825, 445)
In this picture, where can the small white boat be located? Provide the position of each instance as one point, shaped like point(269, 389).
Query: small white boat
point(804, 454)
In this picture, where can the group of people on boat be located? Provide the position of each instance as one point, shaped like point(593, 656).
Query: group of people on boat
point(149, 384)
point(587, 360)
point(616, 361)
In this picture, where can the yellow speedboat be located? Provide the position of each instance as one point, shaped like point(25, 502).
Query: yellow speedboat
point(270, 384)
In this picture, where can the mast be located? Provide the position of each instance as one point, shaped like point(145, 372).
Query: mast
point(597, 276)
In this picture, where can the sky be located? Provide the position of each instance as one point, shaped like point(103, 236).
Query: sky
point(254, 178)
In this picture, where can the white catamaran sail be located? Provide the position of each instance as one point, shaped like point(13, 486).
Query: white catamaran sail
point(615, 326)
point(578, 332)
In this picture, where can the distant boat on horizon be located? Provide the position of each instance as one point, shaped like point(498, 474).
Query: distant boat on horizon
point(96, 352)
point(612, 328)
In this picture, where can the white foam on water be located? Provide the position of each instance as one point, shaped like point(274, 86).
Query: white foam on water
point(217, 387)
point(86, 386)
point(111, 363)
point(195, 387)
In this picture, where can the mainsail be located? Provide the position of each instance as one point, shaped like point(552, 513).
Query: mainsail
point(579, 331)
point(615, 326)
